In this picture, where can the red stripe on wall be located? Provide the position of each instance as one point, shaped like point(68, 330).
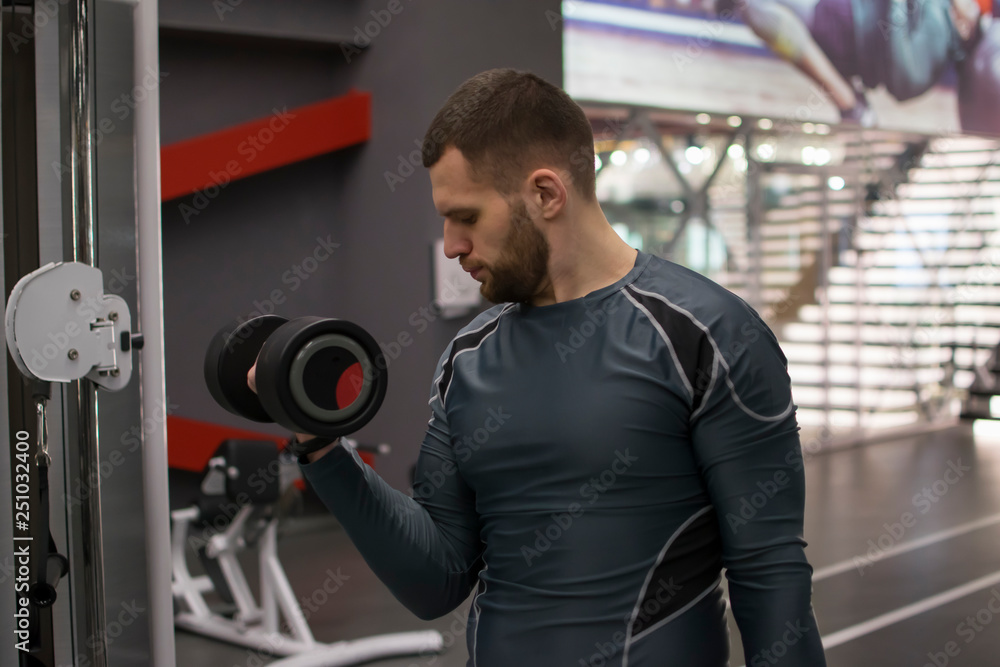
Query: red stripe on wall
point(191, 443)
point(284, 137)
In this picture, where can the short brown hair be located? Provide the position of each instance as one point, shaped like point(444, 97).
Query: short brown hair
point(506, 122)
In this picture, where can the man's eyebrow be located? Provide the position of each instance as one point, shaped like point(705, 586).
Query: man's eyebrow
point(459, 212)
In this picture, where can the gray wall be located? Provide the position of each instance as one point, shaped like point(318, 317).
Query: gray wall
point(237, 249)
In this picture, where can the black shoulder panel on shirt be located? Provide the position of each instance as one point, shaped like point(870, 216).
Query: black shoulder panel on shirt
point(466, 341)
point(695, 353)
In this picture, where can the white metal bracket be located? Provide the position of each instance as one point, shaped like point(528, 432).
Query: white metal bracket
point(61, 326)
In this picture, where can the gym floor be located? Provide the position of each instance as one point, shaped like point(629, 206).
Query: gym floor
point(904, 537)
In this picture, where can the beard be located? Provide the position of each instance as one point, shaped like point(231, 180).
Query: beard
point(523, 264)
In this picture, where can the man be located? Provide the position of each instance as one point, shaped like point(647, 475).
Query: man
point(904, 45)
point(601, 443)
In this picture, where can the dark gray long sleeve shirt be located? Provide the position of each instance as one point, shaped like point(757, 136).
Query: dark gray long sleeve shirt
point(589, 468)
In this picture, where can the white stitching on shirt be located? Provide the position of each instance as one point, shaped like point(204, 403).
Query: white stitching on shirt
point(708, 392)
point(479, 612)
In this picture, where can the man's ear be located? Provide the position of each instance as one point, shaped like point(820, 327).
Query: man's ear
point(547, 194)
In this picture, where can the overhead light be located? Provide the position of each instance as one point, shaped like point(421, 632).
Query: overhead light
point(823, 156)
point(618, 158)
point(809, 128)
point(836, 183)
point(703, 119)
point(765, 152)
point(734, 121)
point(641, 155)
point(987, 430)
point(677, 206)
point(622, 230)
point(742, 164)
point(736, 152)
point(809, 155)
point(598, 163)
point(694, 155)
point(765, 123)
point(822, 128)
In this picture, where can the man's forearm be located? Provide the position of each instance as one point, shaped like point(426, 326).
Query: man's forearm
point(773, 610)
point(429, 567)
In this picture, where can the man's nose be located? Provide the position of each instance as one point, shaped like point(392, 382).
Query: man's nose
point(456, 243)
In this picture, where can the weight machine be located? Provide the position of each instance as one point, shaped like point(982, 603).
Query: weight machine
point(239, 489)
point(83, 421)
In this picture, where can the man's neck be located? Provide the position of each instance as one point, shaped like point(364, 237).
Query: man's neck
point(588, 261)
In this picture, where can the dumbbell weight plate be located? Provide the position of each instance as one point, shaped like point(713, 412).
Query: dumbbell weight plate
point(308, 377)
point(231, 354)
point(320, 362)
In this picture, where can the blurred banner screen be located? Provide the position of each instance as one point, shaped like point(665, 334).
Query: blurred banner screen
point(927, 66)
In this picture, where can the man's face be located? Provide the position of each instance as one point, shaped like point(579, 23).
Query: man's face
point(498, 243)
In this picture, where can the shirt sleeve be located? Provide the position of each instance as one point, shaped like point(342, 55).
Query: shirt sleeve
point(426, 549)
point(746, 442)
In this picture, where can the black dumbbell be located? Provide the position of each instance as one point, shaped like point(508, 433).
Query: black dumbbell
point(314, 375)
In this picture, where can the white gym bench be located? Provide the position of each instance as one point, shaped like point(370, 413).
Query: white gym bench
point(277, 625)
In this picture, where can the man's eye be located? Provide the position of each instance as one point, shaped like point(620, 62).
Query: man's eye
point(468, 220)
